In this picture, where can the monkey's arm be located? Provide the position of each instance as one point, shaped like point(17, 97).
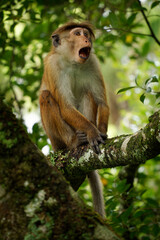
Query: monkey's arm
point(59, 132)
point(75, 119)
point(102, 117)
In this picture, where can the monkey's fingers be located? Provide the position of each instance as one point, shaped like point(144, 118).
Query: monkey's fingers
point(82, 141)
point(82, 137)
point(80, 134)
point(103, 135)
point(100, 140)
point(95, 146)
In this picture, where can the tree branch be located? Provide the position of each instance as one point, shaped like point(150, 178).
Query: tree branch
point(119, 151)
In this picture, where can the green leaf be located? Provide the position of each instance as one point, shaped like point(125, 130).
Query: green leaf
point(145, 48)
point(157, 95)
point(1, 16)
point(122, 186)
point(113, 20)
point(151, 80)
point(110, 37)
point(138, 214)
point(156, 229)
point(145, 238)
point(111, 204)
point(131, 19)
point(110, 200)
point(136, 81)
point(142, 98)
point(144, 229)
point(148, 89)
point(154, 79)
point(154, 4)
point(147, 80)
point(152, 202)
point(124, 216)
point(125, 89)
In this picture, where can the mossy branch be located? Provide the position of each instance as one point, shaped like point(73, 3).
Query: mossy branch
point(123, 150)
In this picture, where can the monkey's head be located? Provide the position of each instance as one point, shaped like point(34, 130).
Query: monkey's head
point(73, 42)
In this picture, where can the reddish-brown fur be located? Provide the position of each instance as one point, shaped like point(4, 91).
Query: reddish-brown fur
point(72, 99)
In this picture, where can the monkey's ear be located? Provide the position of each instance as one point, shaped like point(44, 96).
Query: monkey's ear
point(56, 40)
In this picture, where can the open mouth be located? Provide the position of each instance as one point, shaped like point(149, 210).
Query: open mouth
point(84, 52)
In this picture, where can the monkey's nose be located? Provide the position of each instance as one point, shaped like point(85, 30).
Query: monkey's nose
point(86, 41)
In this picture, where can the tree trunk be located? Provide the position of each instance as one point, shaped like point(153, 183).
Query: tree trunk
point(35, 200)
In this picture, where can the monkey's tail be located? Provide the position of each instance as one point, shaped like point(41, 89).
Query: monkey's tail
point(97, 192)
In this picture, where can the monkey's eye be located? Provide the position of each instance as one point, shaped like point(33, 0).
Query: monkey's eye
point(86, 34)
point(77, 33)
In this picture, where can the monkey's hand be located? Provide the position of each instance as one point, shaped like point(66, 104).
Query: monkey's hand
point(82, 138)
point(95, 140)
point(94, 143)
point(103, 135)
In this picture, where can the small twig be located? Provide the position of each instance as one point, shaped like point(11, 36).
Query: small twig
point(155, 15)
point(148, 24)
point(123, 30)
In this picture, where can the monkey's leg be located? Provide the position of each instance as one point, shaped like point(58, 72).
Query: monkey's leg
point(60, 133)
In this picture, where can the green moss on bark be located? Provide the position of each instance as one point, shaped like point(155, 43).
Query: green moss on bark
point(36, 202)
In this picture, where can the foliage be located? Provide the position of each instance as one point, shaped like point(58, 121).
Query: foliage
point(140, 219)
point(128, 47)
point(40, 228)
point(147, 88)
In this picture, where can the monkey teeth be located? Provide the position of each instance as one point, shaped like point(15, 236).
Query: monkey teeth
point(84, 52)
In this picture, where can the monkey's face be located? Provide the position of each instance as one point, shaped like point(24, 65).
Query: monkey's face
point(81, 44)
point(74, 45)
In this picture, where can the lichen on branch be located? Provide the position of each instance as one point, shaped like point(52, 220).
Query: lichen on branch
point(132, 149)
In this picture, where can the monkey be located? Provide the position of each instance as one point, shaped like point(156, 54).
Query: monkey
point(73, 101)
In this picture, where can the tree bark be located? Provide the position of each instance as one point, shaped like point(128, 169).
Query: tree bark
point(35, 200)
